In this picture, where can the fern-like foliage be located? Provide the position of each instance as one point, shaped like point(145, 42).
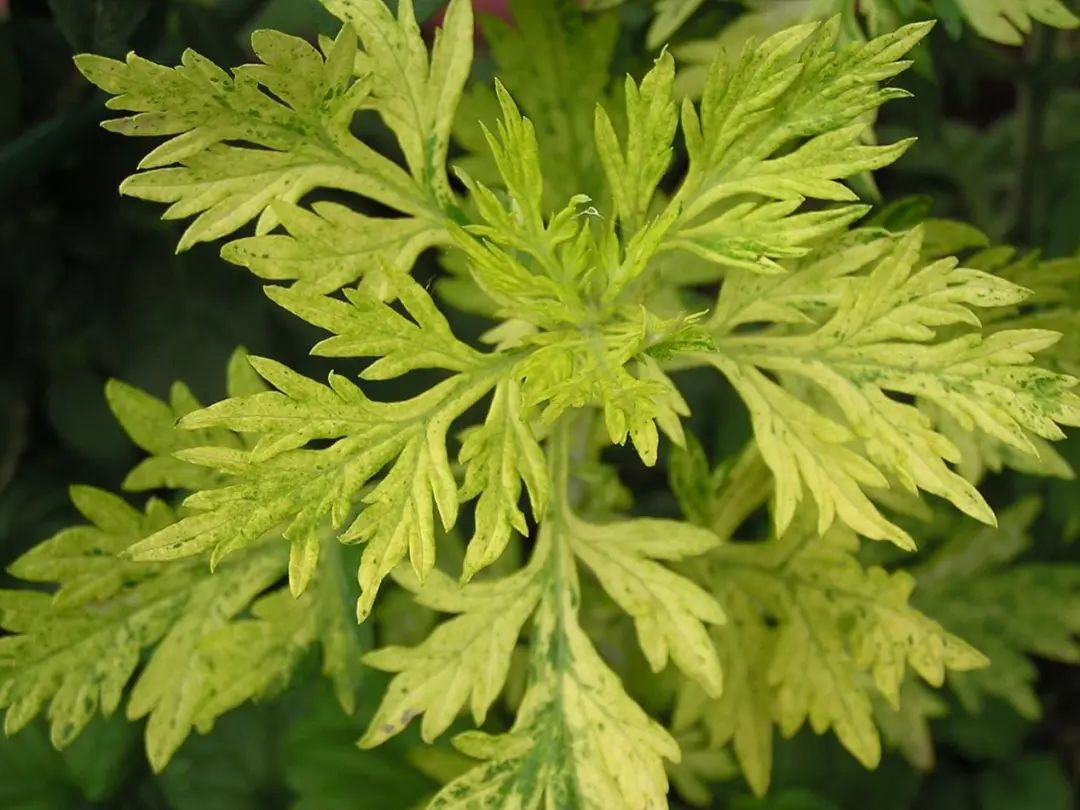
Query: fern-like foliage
point(77, 649)
point(973, 582)
point(837, 340)
point(813, 637)
point(1052, 286)
point(555, 60)
point(579, 740)
point(816, 383)
point(1004, 21)
point(251, 144)
point(808, 623)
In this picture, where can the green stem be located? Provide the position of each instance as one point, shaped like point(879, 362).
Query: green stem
point(568, 446)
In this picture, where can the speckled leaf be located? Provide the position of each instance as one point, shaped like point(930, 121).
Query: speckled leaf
point(416, 92)
point(170, 688)
point(822, 400)
point(300, 133)
point(278, 483)
point(332, 246)
point(737, 204)
point(368, 327)
point(828, 637)
point(499, 456)
point(75, 651)
point(464, 661)
point(742, 716)
point(253, 658)
point(670, 611)
point(78, 650)
point(579, 741)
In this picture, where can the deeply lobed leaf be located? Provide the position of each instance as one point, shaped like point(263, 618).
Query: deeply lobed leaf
point(818, 389)
point(301, 133)
point(841, 347)
point(782, 123)
point(813, 637)
point(578, 740)
point(976, 584)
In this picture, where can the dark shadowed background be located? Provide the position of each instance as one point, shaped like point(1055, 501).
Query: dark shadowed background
point(91, 289)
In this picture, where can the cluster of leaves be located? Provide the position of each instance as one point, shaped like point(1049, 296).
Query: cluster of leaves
point(1004, 21)
point(872, 366)
point(77, 648)
point(815, 634)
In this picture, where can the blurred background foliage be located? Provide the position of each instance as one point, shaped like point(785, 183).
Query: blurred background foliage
point(91, 289)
